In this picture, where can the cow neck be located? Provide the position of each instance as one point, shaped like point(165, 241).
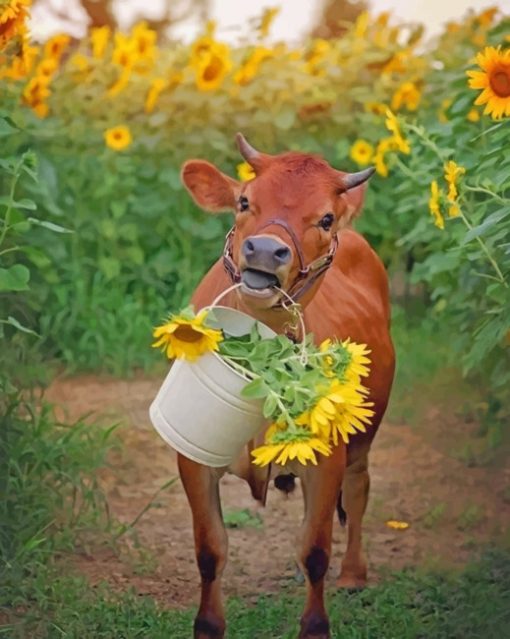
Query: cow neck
point(307, 275)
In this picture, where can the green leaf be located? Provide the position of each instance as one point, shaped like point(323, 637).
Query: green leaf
point(109, 266)
point(24, 329)
point(49, 225)
point(255, 389)
point(487, 224)
point(24, 203)
point(7, 127)
point(14, 278)
point(269, 406)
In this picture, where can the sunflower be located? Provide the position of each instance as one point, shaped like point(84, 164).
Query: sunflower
point(473, 115)
point(212, 68)
point(245, 74)
point(174, 80)
point(121, 83)
point(118, 137)
point(21, 62)
point(435, 211)
point(144, 43)
point(249, 69)
point(407, 95)
point(358, 366)
point(155, 89)
point(186, 337)
point(283, 446)
point(46, 68)
point(245, 172)
point(267, 20)
point(361, 152)
point(55, 46)
point(452, 172)
point(124, 53)
point(327, 362)
point(201, 48)
point(494, 79)
point(12, 20)
point(342, 410)
point(99, 38)
point(385, 145)
point(35, 94)
point(80, 62)
point(393, 126)
point(353, 413)
point(377, 108)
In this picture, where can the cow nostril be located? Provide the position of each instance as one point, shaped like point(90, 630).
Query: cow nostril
point(282, 254)
point(248, 247)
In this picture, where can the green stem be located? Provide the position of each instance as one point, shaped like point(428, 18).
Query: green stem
point(283, 410)
point(480, 189)
point(9, 250)
point(485, 249)
point(7, 217)
point(427, 141)
point(240, 369)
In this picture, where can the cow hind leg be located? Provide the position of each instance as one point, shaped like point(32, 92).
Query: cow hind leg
point(355, 489)
point(321, 486)
point(202, 489)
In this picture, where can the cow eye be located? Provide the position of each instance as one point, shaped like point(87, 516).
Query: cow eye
point(327, 221)
point(244, 205)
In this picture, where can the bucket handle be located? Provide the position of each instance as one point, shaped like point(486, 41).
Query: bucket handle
point(298, 312)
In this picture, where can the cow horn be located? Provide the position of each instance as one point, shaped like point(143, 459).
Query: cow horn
point(246, 149)
point(255, 159)
point(351, 180)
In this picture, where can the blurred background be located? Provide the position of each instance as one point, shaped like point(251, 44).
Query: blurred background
point(182, 20)
point(100, 103)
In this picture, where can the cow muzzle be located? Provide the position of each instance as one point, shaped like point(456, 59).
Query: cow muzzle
point(265, 263)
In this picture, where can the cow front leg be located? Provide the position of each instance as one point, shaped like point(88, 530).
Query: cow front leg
point(321, 488)
point(201, 484)
point(355, 491)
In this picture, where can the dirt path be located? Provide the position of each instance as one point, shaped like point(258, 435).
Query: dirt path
point(452, 509)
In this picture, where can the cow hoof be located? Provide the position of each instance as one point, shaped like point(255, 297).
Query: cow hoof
point(351, 583)
point(206, 627)
point(314, 627)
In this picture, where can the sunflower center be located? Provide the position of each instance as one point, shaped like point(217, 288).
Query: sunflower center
point(500, 82)
point(7, 25)
point(188, 334)
point(213, 69)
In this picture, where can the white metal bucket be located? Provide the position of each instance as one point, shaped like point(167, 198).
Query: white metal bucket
point(199, 410)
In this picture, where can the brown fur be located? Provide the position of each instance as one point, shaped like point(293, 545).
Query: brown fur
point(350, 300)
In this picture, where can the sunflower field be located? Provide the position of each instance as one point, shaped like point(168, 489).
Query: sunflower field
point(111, 242)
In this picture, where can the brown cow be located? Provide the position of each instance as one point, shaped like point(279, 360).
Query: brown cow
point(291, 224)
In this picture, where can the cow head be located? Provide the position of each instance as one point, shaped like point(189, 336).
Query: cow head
point(286, 218)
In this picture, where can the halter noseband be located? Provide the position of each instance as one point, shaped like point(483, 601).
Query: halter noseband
point(306, 276)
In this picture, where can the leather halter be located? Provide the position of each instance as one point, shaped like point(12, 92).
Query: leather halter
point(306, 276)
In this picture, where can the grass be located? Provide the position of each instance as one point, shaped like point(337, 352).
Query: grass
point(408, 605)
point(241, 518)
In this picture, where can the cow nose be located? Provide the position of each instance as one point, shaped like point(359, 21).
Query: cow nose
point(265, 252)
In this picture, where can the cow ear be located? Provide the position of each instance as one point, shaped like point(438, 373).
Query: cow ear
point(211, 189)
point(352, 203)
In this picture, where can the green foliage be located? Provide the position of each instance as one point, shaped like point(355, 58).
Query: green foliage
point(241, 518)
point(49, 492)
point(139, 246)
point(469, 605)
